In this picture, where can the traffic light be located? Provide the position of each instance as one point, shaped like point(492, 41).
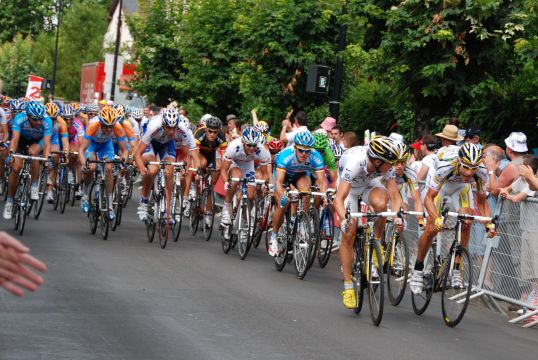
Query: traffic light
point(319, 77)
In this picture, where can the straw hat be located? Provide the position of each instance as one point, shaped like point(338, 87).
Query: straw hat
point(450, 132)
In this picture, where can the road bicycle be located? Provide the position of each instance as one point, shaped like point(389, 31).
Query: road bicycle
point(199, 206)
point(326, 230)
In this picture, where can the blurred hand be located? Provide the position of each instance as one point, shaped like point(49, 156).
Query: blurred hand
point(526, 172)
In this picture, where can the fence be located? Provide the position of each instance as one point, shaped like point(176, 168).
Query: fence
point(504, 267)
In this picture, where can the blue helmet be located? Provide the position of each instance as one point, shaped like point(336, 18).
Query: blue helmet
point(251, 136)
point(35, 110)
point(304, 138)
point(170, 117)
point(17, 105)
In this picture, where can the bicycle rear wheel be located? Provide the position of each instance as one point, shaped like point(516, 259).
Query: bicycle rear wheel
point(376, 286)
point(455, 298)
point(42, 188)
point(208, 217)
point(302, 243)
point(326, 231)
point(397, 264)
point(421, 301)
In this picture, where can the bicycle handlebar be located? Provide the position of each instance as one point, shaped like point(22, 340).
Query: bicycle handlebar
point(469, 217)
point(28, 157)
point(165, 163)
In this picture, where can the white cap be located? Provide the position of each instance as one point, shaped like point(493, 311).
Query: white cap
point(517, 141)
point(397, 138)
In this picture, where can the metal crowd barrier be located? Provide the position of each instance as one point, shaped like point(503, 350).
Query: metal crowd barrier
point(504, 267)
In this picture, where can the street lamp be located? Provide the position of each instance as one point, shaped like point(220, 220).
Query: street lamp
point(334, 103)
point(116, 54)
point(58, 12)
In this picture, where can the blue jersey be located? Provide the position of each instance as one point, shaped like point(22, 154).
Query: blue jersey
point(21, 124)
point(287, 160)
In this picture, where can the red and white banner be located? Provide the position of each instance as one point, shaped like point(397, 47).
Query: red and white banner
point(34, 87)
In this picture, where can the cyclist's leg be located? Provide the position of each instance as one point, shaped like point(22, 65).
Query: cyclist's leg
point(35, 149)
point(463, 202)
point(54, 170)
point(168, 154)
point(147, 180)
point(303, 184)
point(378, 198)
point(348, 238)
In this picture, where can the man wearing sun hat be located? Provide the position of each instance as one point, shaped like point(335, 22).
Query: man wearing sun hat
point(516, 147)
point(449, 135)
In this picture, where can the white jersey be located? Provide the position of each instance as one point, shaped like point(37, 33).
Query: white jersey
point(153, 131)
point(135, 126)
point(448, 172)
point(430, 161)
point(185, 137)
point(352, 168)
point(236, 153)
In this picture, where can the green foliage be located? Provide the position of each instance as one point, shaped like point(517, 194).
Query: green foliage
point(16, 64)
point(26, 17)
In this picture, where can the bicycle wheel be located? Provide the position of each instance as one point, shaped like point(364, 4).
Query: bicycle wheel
point(150, 220)
point(376, 284)
point(163, 223)
point(259, 220)
point(93, 215)
point(42, 188)
point(56, 189)
point(23, 203)
point(326, 231)
point(455, 298)
point(226, 238)
point(421, 301)
point(397, 264)
point(358, 276)
point(302, 243)
point(104, 211)
point(195, 216)
point(116, 203)
point(176, 207)
point(314, 231)
point(208, 217)
point(66, 191)
point(244, 228)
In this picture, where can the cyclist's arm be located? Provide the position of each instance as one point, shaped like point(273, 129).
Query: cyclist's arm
point(483, 205)
point(14, 141)
point(394, 194)
point(321, 180)
point(341, 194)
point(46, 145)
point(423, 172)
point(140, 148)
point(279, 184)
point(82, 150)
point(416, 200)
point(5, 132)
point(264, 169)
point(429, 203)
point(224, 170)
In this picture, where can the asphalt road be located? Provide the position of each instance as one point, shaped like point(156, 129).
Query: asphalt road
point(125, 298)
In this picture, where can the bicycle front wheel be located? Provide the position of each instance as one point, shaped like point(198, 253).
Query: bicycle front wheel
point(421, 301)
point(326, 233)
point(358, 275)
point(176, 207)
point(163, 223)
point(93, 214)
point(244, 228)
point(376, 284)
point(104, 211)
point(302, 244)
point(397, 264)
point(208, 216)
point(195, 216)
point(150, 220)
point(456, 292)
point(314, 236)
point(66, 190)
point(42, 188)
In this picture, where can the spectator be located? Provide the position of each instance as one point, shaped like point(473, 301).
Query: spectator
point(328, 124)
point(289, 129)
point(350, 140)
point(234, 126)
point(496, 153)
point(338, 134)
point(15, 264)
point(518, 192)
point(516, 147)
point(529, 174)
point(396, 137)
point(472, 136)
point(426, 152)
point(449, 135)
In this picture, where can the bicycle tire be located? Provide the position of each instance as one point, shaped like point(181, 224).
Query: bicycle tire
point(376, 286)
point(324, 252)
point(177, 208)
point(315, 236)
point(42, 188)
point(226, 240)
point(244, 228)
point(259, 220)
point(302, 242)
point(24, 202)
point(56, 189)
point(358, 276)
point(207, 230)
point(105, 223)
point(93, 214)
point(447, 295)
point(150, 223)
point(397, 264)
point(116, 199)
point(421, 301)
point(66, 193)
point(163, 224)
point(194, 218)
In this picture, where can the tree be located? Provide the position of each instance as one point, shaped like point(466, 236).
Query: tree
point(16, 64)
point(26, 17)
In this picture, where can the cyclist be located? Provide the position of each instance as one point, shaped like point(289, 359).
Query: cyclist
point(294, 165)
point(75, 132)
point(97, 144)
point(211, 143)
point(15, 107)
point(135, 117)
point(453, 178)
point(58, 140)
point(321, 144)
point(157, 143)
point(239, 163)
point(32, 129)
point(359, 170)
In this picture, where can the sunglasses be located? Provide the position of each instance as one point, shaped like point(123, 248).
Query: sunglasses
point(251, 145)
point(107, 127)
point(212, 131)
point(304, 151)
point(35, 119)
point(469, 167)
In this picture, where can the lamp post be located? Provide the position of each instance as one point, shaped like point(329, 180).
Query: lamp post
point(334, 103)
point(116, 53)
point(58, 14)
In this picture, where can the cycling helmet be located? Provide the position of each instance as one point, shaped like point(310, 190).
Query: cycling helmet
point(137, 114)
point(320, 131)
point(275, 145)
point(204, 119)
point(170, 117)
point(120, 114)
point(119, 106)
point(107, 116)
point(384, 149)
point(52, 109)
point(337, 150)
point(76, 108)
point(128, 110)
point(262, 126)
point(68, 112)
point(402, 150)
point(304, 138)
point(320, 141)
point(184, 122)
point(470, 155)
point(251, 136)
point(213, 123)
point(92, 108)
point(36, 110)
point(17, 105)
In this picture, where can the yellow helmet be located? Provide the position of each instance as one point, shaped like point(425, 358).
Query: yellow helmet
point(120, 114)
point(470, 155)
point(384, 149)
point(52, 109)
point(107, 116)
